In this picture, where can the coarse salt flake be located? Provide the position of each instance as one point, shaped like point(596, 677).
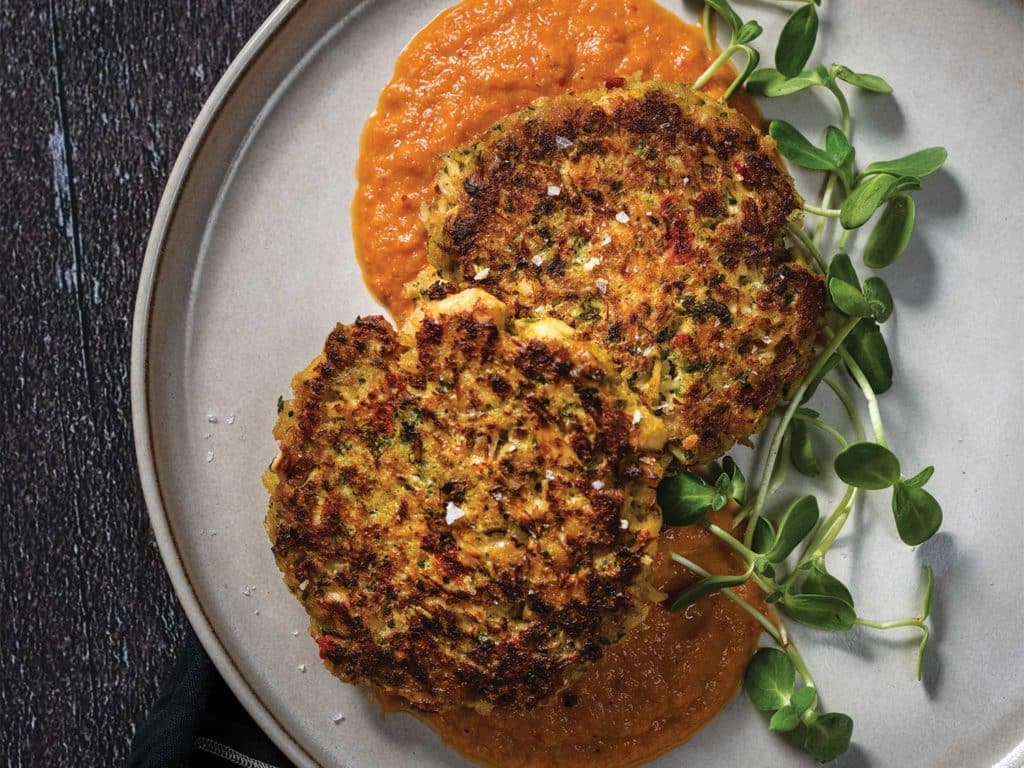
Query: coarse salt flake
point(302, 668)
point(211, 418)
point(554, 190)
point(549, 475)
point(622, 217)
point(537, 260)
point(602, 285)
point(231, 419)
point(209, 456)
point(623, 523)
point(338, 718)
point(452, 513)
point(637, 416)
point(592, 262)
point(597, 485)
point(481, 274)
point(607, 239)
point(562, 143)
point(686, 181)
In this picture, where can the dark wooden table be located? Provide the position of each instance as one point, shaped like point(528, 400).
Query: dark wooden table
point(95, 99)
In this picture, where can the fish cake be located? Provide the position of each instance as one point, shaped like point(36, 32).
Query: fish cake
point(466, 509)
point(651, 218)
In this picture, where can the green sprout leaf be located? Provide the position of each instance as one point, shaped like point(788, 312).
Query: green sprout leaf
point(890, 237)
point(706, 586)
point(879, 298)
point(841, 268)
point(804, 698)
point(737, 487)
point(801, 450)
point(820, 611)
point(865, 82)
point(769, 679)
point(917, 164)
point(684, 499)
point(812, 385)
point(918, 515)
point(922, 477)
point(772, 83)
point(867, 465)
point(796, 41)
point(748, 32)
point(785, 719)
point(865, 200)
point(838, 147)
point(797, 149)
point(868, 349)
point(819, 581)
point(789, 717)
point(764, 536)
point(848, 299)
point(799, 520)
point(828, 736)
point(731, 17)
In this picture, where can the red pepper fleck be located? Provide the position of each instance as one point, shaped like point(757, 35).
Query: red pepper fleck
point(615, 82)
point(324, 642)
point(681, 340)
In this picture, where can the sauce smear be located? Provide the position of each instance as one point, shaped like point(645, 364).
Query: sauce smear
point(655, 690)
point(475, 63)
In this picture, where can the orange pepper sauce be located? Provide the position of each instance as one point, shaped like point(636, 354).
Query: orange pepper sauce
point(650, 693)
point(471, 66)
point(475, 63)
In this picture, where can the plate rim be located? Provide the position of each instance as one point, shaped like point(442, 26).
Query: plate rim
point(149, 274)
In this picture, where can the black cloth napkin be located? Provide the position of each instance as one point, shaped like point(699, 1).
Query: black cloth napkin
point(198, 723)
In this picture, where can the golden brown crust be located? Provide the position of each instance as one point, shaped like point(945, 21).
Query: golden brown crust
point(650, 218)
point(449, 505)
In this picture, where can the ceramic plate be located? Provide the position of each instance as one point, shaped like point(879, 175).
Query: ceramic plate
point(250, 263)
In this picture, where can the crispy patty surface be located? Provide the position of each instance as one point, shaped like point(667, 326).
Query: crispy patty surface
point(465, 508)
point(650, 218)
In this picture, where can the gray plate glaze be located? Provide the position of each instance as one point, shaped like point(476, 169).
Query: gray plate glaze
point(250, 263)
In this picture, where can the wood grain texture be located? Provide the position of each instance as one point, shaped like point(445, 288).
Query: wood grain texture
point(95, 100)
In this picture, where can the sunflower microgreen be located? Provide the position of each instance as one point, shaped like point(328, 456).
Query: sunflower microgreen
point(784, 549)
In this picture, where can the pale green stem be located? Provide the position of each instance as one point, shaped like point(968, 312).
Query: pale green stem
point(851, 409)
point(740, 77)
point(732, 541)
point(709, 26)
point(826, 201)
point(780, 430)
point(874, 412)
point(716, 65)
point(824, 427)
point(844, 110)
point(831, 528)
point(775, 630)
point(917, 621)
point(798, 662)
point(828, 213)
point(779, 475)
point(894, 624)
point(798, 232)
